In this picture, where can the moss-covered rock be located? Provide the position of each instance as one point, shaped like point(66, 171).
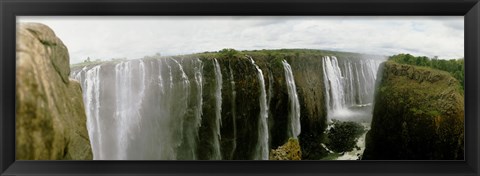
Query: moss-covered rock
point(50, 115)
point(240, 110)
point(288, 151)
point(239, 119)
point(418, 114)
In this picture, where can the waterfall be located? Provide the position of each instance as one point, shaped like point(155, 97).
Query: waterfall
point(199, 81)
point(160, 79)
point(130, 88)
point(218, 109)
point(167, 128)
point(233, 110)
point(270, 87)
point(348, 83)
point(262, 145)
point(92, 104)
point(334, 84)
point(159, 126)
point(170, 74)
point(294, 109)
point(156, 108)
point(182, 94)
point(78, 75)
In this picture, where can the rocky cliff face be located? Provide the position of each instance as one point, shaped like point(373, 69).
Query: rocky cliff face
point(311, 90)
point(50, 115)
point(238, 134)
point(208, 106)
point(418, 114)
point(309, 84)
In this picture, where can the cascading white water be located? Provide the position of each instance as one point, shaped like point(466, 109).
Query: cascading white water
point(153, 108)
point(173, 106)
point(160, 79)
point(348, 83)
point(233, 110)
point(334, 84)
point(170, 141)
point(181, 108)
point(294, 109)
point(92, 104)
point(170, 74)
point(121, 80)
point(262, 144)
point(78, 75)
point(218, 110)
point(130, 88)
point(167, 140)
point(270, 88)
point(162, 127)
point(199, 81)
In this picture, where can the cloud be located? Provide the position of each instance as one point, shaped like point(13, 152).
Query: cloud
point(135, 37)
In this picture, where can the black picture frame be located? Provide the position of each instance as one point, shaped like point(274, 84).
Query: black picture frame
point(9, 9)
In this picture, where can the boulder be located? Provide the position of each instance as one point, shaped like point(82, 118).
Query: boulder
point(50, 115)
point(288, 151)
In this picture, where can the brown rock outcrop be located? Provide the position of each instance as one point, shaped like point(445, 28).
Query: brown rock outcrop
point(288, 151)
point(50, 115)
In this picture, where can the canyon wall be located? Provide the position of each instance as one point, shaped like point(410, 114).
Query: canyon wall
point(418, 114)
point(208, 106)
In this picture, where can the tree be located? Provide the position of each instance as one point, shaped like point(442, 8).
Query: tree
point(454, 66)
point(228, 52)
point(87, 60)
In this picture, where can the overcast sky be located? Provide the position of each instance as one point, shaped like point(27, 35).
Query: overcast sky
point(136, 37)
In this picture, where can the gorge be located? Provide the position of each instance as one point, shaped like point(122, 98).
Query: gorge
point(285, 104)
point(222, 107)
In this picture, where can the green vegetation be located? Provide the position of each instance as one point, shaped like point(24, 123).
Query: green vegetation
point(86, 62)
point(274, 53)
point(229, 53)
point(456, 67)
point(273, 56)
point(343, 136)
